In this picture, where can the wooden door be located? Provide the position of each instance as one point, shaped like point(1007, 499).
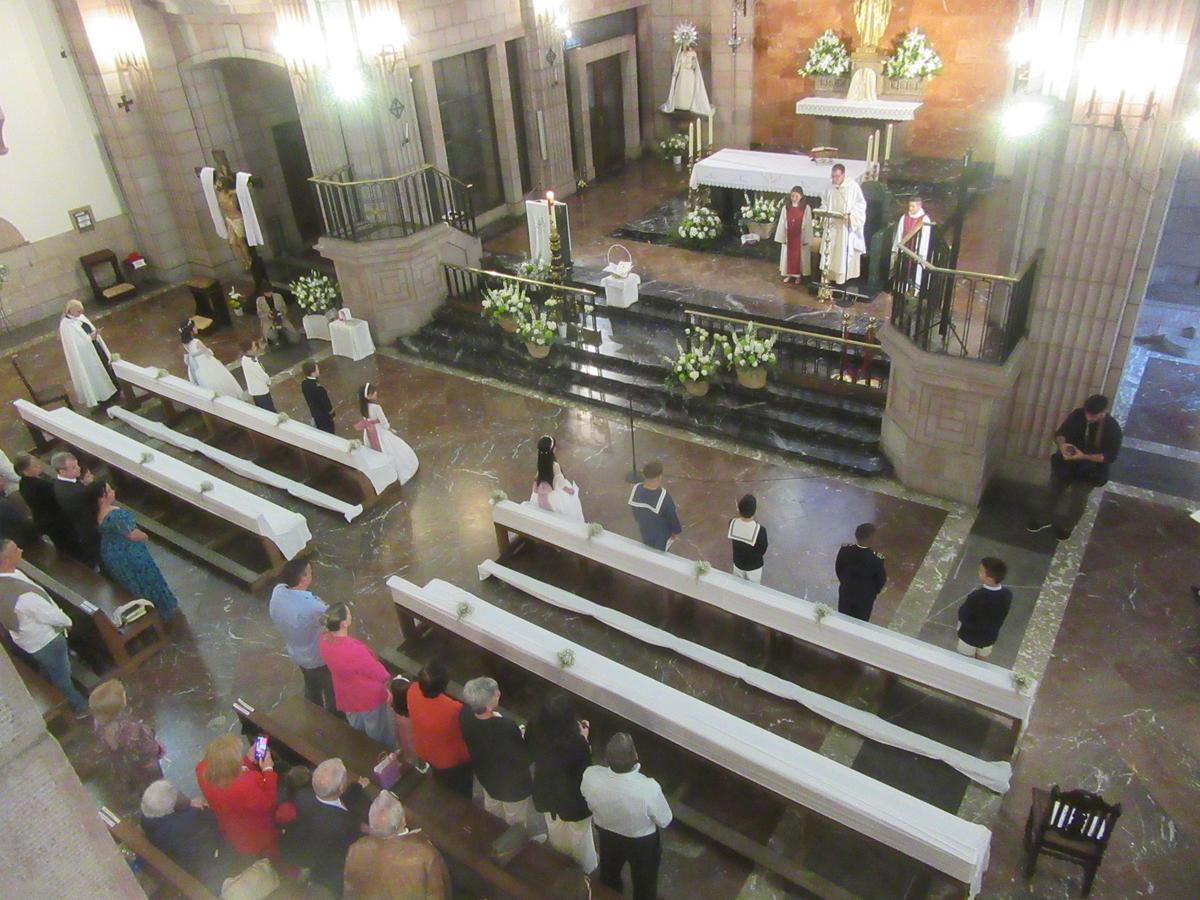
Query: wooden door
point(296, 168)
point(608, 115)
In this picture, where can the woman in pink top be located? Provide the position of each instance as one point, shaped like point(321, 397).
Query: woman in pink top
point(360, 682)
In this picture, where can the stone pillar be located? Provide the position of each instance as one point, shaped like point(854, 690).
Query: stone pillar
point(54, 842)
point(944, 426)
point(546, 112)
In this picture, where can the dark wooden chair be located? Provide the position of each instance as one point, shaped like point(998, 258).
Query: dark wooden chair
point(104, 275)
point(43, 397)
point(1071, 825)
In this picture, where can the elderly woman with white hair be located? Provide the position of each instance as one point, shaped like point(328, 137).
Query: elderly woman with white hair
point(394, 862)
point(88, 360)
point(184, 830)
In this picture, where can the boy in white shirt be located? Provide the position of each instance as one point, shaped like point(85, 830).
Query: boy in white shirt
point(258, 382)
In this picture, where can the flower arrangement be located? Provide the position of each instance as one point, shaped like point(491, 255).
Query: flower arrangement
point(761, 208)
point(820, 612)
point(160, 373)
point(533, 268)
point(497, 496)
point(1022, 682)
point(315, 293)
point(700, 224)
point(145, 457)
point(686, 34)
point(912, 57)
point(701, 358)
point(749, 350)
point(827, 56)
point(116, 357)
point(505, 302)
point(355, 446)
point(463, 610)
point(594, 529)
point(566, 658)
point(673, 145)
point(205, 487)
point(280, 418)
point(703, 567)
point(537, 326)
point(235, 299)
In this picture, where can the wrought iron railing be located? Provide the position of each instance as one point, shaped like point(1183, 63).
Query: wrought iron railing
point(813, 355)
point(379, 208)
point(575, 308)
point(960, 313)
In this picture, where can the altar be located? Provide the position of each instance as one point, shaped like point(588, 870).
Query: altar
point(847, 124)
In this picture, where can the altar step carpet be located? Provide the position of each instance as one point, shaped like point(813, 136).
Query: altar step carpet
point(629, 368)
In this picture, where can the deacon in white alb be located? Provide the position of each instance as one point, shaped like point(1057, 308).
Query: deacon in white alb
point(843, 243)
point(912, 230)
point(87, 357)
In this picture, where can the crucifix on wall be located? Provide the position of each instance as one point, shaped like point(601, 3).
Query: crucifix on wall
point(232, 209)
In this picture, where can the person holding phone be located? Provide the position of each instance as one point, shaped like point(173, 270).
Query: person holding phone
point(241, 790)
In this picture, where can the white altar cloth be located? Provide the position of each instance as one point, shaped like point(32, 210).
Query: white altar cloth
point(777, 173)
point(351, 338)
point(376, 466)
point(995, 776)
point(940, 668)
point(874, 110)
point(872, 808)
point(286, 529)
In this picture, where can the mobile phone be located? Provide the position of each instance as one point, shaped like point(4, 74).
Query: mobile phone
point(260, 747)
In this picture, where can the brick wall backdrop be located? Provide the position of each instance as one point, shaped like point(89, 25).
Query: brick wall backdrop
point(960, 103)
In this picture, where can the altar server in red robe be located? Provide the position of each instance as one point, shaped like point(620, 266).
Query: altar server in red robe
point(795, 233)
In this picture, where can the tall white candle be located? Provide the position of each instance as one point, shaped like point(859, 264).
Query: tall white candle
point(878, 148)
point(870, 145)
point(710, 131)
point(887, 147)
point(691, 140)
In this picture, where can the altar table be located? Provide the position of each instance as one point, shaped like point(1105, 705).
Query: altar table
point(777, 173)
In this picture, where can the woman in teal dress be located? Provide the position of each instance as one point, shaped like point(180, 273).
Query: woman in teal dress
point(125, 555)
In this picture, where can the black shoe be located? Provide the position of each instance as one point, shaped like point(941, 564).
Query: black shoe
point(1035, 526)
point(1061, 534)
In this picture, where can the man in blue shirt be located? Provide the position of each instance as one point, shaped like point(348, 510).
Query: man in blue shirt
point(654, 510)
point(296, 612)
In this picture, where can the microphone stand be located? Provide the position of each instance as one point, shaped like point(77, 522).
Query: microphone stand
point(633, 476)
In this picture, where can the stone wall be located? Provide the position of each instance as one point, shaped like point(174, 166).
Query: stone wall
point(1176, 275)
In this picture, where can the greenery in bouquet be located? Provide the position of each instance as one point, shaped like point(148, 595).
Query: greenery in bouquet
point(827, 56)
point(700, 360)
point(675, 145)
point(316, 293)
point(537, 326)
point(761, 208)
point(700, 224)
point(507, 301)
point(912, 57)
point(235, 299)
point(533, 268)
point(748, 349)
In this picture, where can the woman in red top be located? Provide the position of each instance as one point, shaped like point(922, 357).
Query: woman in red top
point(437, 736)
point(241, 794)
point(360, 682)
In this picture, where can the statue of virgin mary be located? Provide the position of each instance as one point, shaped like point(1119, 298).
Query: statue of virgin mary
point(687, 93)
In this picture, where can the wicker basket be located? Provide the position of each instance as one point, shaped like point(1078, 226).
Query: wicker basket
point(614, 256)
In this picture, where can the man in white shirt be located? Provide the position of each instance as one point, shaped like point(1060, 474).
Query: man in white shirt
point(628, 809)
point(37, 625)
point(258, 382)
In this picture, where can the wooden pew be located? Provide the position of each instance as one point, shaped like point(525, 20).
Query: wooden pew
point(91, 600)
point(462, 831)
point(173, 878)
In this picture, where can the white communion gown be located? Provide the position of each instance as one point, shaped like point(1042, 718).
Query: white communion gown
point(562, 497)
point(207, 371)
point(401, 455)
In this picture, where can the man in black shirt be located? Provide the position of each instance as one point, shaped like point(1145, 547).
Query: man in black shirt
point(328, 819)
point(37, 490)
point(861, 575)
point(984, 610)
point(749, 540)
point(319, 404)
point(498, 755)
point(1087, 443)
point(78, 503)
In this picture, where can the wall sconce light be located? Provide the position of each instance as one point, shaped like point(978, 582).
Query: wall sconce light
point(383, 37)
point(1024, 116)
point(1122, 77)
point(117, 41)
point(553, 14)
point(300, 44)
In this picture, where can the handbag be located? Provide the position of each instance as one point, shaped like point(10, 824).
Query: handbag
point(388, 770)
point(130, 612)
point(256, 882)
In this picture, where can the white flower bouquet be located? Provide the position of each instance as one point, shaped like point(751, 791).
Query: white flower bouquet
point(535, 269)
point(700, 224)
point(700, 360)
point(912, 57)
point(672, 146)
point(315, 293)
point(749, 350)
point(827, 56)
point(507, 301)
point(235, 299)
point(761, 208)
point(537, 326)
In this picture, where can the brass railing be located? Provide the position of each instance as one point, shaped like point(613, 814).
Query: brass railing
point(396, 206)
point(574, 309)
point(814, 354)
point(957, 312)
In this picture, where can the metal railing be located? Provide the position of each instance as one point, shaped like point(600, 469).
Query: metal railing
point(397, 206)
point(974, 315)
point(812, 354)
point(574, 308)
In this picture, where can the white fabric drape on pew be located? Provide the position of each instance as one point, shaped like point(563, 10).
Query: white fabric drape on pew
point(937, 667)
point(992, 775)
point(898, 820)
point(236, 464)
point(286, 529)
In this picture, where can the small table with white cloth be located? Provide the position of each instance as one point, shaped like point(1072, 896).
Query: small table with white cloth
point(351, 338)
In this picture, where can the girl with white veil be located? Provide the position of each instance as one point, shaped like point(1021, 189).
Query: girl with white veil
point(377, 432)
point(205, 369)
point(551, 489)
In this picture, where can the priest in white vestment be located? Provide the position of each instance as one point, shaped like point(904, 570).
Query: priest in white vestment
point(88, 359)
point(913, 231)
point(843, 243)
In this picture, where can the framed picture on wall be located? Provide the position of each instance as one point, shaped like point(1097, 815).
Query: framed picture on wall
point(82, 218)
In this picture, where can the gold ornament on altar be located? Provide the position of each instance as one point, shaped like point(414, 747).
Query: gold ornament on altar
point(871, 20)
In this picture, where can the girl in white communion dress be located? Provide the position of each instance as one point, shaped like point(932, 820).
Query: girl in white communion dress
point(551, 489)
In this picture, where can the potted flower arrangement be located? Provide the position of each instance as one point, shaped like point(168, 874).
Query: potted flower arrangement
point(760, 213)
point(700, 225)
point(538, 329)
point(318, 295)
point(673, 148)
point(828, 63)
point(505, 304)
point(694, 366)
point(235, 302)
point(749, 354)
point(533, 268)
point(911, 63)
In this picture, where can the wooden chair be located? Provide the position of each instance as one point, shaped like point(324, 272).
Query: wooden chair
point(44, 397)
point(1071, 825)
point(104, 288)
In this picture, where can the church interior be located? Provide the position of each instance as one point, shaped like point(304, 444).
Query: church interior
point(806, 391)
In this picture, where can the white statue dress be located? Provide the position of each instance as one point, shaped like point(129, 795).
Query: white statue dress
point(687, 93)
point(379, 436)
point(562, 497)
point(207, 371)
